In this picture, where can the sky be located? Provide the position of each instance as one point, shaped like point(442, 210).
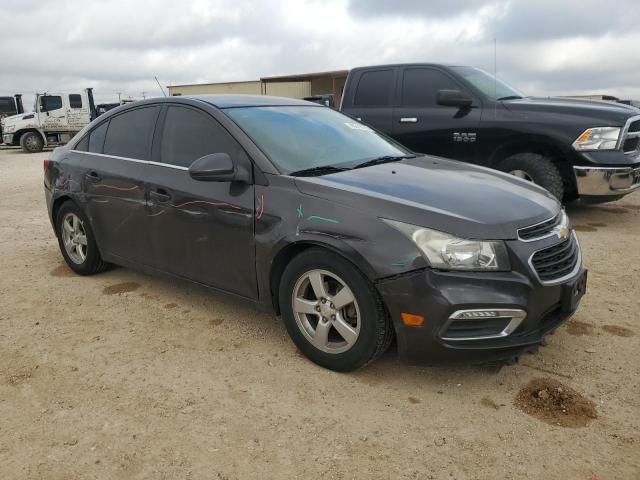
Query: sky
point(544, 47)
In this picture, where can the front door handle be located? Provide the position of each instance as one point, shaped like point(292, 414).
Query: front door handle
point(160, 196)
point(93, 177)
point(409, 120)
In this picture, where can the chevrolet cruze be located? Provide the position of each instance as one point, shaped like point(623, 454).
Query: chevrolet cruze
point(295, 208)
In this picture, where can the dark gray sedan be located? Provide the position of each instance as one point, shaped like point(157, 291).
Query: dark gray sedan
point(303, 211)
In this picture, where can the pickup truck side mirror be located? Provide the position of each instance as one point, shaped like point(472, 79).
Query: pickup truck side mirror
point(218, 167)
point(453, 98)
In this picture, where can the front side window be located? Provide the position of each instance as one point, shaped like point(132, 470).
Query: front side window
point(301, 137)
point(129, 134)
point(374, 89)
point(75, 100)
point(189, 134)
point(50, 102)
point(489, 85)
point(420, 86)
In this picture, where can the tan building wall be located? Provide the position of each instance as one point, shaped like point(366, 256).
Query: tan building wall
point(251, 88)
point(287, 89)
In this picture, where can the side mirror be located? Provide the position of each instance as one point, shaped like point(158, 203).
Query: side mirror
point(218, 167)
point(453, 98)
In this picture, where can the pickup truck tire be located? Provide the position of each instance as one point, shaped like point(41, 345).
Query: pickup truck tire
point(310, 284)
point(536, 168)
point(31, 142)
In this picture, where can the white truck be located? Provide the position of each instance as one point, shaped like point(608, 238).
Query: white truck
point(55, 119)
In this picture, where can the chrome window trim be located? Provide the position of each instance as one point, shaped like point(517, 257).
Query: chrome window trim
point(563, 223)
point(146, 162)
point(517, 317)
point(573, 272)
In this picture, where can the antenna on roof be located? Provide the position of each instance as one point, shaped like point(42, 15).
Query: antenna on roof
point(160, 86)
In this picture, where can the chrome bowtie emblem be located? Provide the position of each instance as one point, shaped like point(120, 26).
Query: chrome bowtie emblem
point(562, 232)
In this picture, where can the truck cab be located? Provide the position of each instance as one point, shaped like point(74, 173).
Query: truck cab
point(573, 148)
point(55, 119)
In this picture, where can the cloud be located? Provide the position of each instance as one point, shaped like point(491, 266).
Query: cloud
point(544, 47)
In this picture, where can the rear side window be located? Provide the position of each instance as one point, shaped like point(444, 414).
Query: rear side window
point(96, 138)
point(189, 134)
point(50, 102)
point(129, 134)
point(75, 100)
point(374, 89)
point(420, 86)
point(83, 145)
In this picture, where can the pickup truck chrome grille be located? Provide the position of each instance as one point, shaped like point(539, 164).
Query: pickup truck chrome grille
point(630, 138)
point(556, 262)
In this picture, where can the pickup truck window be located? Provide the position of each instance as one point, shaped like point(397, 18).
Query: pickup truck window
point(75, 100)
point(300, 137)
point(420, 86)
point(50, 102)
point(488, 84)
point(374, 89)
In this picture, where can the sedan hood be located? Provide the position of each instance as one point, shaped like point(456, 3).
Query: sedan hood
point(454, 197)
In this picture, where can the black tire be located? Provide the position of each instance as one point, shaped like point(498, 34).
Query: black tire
point(540, 169)
point(31, 142)
point(375, 331)
point(92, 263)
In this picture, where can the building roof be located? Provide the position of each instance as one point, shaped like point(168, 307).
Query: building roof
point(229, 101)
point(305, 76)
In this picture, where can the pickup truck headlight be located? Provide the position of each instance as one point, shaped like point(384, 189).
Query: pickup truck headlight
point(448, 252)
point(599, 138)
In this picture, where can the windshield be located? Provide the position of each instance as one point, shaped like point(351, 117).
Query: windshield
point(483, 81)
point(300, 137)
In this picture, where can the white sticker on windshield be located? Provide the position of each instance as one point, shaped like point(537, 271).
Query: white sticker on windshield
point(357, 126)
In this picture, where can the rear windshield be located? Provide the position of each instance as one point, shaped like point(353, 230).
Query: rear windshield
point(301, 137)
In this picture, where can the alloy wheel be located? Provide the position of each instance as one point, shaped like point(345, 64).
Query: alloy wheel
point(74, 238)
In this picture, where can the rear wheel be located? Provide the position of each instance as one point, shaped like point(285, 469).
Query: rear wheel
point(332, 312)
point(31, 142)
point(76, 240)
point(536, 168)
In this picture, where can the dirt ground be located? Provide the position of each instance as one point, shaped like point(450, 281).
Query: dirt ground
point(126, 376)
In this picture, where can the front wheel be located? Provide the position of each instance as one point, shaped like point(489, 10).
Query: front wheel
point(31, 142)
point(536, 168)
point(332, 312)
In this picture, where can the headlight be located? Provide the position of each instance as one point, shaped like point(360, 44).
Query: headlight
point(600, 138)
point(447, 252)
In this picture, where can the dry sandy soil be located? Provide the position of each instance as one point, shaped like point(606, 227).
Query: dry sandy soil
point(126, 376)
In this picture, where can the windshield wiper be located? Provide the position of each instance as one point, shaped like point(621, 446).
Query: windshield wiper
point(511, 97)
point(384, 159)
point(313, 171)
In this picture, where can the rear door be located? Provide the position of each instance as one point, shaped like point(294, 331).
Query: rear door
point(426, 127)
point(200, 230)
point(372, 97)
point(115, 170)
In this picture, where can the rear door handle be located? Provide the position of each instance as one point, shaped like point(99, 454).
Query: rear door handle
point(409, 120)
point(160, 196)
point(93, 177)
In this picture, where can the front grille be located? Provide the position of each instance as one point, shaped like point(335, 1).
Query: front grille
point(557, 261)
point(477, 327)
point(539, 230)
point(634, 126)
point(631, 145)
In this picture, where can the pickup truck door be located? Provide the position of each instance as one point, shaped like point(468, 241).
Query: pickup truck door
point(372, 99)
point(426, 127)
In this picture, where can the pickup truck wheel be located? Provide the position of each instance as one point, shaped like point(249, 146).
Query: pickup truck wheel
point(31, 142)
point(332, 312)
point(537, 169)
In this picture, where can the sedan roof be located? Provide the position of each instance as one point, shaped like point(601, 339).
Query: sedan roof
point(230, 101)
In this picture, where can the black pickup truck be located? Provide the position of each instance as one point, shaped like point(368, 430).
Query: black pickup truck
point(573, 148)
point(10, 106)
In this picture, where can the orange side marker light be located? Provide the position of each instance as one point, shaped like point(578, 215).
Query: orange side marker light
point(412, 320)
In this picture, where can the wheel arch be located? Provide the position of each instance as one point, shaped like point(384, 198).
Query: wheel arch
point(291, 250)
point(544, 146)
point(55, 208)
point(18, 135)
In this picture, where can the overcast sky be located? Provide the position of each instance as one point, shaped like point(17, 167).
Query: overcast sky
point(544, 47)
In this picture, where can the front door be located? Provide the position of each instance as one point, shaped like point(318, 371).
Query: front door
point(426, 127)
point(52, 113)
point(200, 230)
